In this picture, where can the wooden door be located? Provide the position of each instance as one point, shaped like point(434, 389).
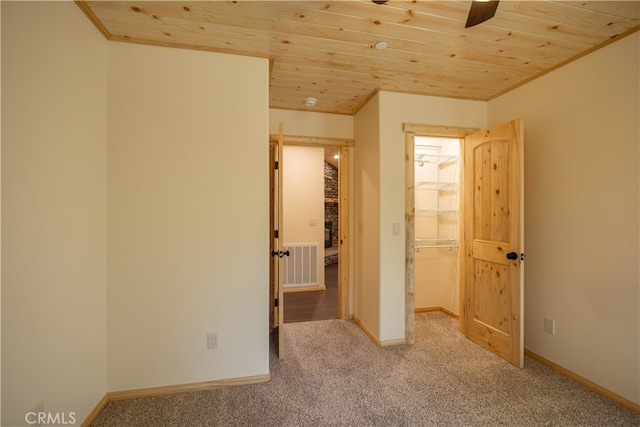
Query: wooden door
point(277, 245)
point(343, 233)
point(492, 296)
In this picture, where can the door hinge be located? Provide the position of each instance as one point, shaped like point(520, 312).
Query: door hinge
point(276, 165)
point(275, 302)
point(276, 234)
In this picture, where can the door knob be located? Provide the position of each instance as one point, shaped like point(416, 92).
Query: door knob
point(280, 254)
point(512, 255)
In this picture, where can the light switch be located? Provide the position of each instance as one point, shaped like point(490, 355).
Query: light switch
point(396, 229)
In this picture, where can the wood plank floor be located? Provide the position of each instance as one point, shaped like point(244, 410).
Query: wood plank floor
point(314, 305)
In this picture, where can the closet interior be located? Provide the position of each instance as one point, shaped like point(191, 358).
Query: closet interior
point(437, 223)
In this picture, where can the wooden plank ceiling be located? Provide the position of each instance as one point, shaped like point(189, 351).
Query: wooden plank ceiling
point(325, 49)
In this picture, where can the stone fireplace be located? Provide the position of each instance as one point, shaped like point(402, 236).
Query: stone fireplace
point(331, 213)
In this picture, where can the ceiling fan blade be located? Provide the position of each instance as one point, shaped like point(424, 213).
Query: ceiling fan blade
point(481, 11)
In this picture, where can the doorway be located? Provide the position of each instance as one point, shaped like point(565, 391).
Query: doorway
point(432, 228)
point(344, 147)
point(319, 302)
point(491, 270)
point(437, 175)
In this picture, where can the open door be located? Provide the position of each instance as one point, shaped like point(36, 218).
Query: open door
point(277, 246)
point(492, 271)
point(343, 234)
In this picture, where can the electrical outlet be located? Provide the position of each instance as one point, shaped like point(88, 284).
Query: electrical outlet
point(212, 340)
point(550, 326)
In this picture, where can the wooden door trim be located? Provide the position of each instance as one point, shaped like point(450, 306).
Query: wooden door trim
point(412, 130)
point(344, 244)
point(280, 248)
point(272, 245)
point(313, 141)
point(437, 131)
point(410, 235)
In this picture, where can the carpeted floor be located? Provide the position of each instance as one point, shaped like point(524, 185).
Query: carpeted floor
point(335, 376)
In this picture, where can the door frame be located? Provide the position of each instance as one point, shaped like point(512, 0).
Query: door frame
point(411, 130)
point(344, 230)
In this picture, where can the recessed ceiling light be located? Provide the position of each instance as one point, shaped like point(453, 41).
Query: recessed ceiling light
point(336, 156)
point(310, 102)
point(381, 45)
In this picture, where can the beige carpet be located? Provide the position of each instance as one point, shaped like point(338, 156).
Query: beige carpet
point(335, 376)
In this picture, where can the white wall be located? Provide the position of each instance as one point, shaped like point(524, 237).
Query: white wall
point(303, 199)
point(366, 173)
point(582, 132)
point(54, 275)
point(396, 109)
point(188, 216)
point(311, 124)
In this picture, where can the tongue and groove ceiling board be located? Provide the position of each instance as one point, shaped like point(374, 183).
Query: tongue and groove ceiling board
point(325, 49)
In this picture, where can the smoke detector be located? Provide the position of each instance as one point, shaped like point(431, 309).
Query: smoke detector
point(310, 102)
